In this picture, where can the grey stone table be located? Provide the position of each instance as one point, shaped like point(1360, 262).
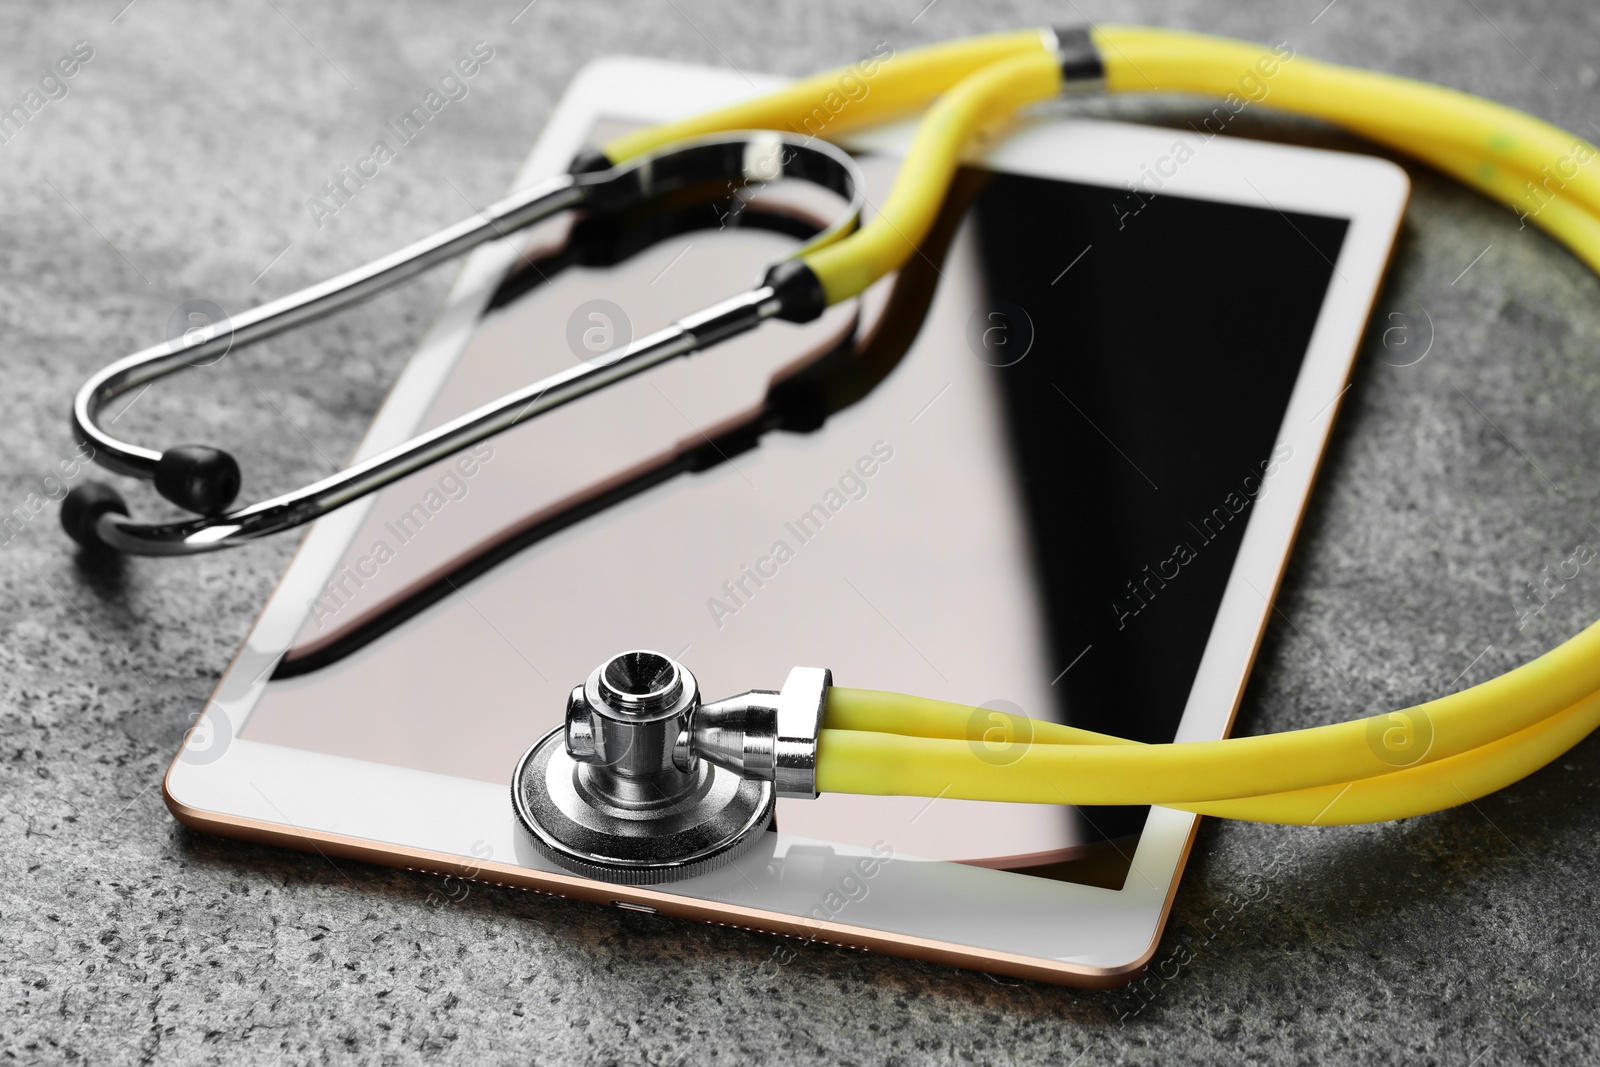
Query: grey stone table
point(177, 165)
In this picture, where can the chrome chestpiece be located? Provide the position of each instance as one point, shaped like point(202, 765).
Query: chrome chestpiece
point(645, 784)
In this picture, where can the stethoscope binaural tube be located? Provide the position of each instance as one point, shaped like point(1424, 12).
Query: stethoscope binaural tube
point(205, 480)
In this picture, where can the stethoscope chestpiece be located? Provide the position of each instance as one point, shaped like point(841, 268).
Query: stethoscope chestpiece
point(644, 784)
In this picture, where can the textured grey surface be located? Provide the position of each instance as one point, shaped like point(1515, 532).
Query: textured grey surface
point(178, 166)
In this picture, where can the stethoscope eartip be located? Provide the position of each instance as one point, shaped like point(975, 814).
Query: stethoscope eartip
point(198, 478)
point(82, 508)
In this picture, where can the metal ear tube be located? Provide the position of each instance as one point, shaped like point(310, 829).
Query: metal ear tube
point(644, 784)
point(204, 480)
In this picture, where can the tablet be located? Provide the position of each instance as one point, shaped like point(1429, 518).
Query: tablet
point(1057, 467)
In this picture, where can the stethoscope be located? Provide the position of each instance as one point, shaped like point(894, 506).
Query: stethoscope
point(647, 783)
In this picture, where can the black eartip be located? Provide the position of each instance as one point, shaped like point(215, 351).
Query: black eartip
point(198, 478)
point(83, 507)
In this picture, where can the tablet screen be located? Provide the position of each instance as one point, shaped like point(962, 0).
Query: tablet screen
point(1041, 447)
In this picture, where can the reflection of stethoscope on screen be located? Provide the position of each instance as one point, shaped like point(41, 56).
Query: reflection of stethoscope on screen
point(644, 782)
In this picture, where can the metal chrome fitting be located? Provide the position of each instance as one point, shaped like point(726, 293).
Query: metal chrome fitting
point(644, 784)
point(762, 734)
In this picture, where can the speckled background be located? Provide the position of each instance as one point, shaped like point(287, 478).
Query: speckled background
point(177, 168)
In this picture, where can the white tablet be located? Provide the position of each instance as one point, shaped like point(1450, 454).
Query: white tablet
point(1055, 465)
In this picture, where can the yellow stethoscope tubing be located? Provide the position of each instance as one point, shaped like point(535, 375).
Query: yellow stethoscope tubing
point(908, 81)
point(865, 760)
point(1416, 789)
point(848, 266)
point(1328, 774)
point(1483, 737)
point(1485, 145)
